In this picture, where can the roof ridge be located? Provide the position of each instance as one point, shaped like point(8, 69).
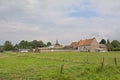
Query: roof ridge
point(85, 42)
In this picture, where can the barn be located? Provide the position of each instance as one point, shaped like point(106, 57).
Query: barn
point(88, 45)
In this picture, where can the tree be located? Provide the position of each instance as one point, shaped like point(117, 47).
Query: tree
point(36, 44)
point(8, 46)
point(16, 47)
point(23, 44)
point(41, 44)
point(115, 44)
point(103, 41)
point(29, 45)
point(49, 43)
point(1, 48)
point(108, 44)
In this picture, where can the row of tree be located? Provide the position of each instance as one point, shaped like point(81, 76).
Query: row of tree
point(111, 46)
point(7, 46)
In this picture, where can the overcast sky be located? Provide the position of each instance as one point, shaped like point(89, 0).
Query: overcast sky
point(65, 20)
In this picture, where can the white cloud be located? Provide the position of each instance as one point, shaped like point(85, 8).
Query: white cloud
point(50, 19)
point(106, 7)
point(18, 26)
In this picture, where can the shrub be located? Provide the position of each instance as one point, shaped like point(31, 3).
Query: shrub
point(116, 49)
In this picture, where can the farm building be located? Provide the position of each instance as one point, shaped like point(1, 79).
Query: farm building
point(74, 45)
point(88, 45)
point(102, 48)
point(57, 45)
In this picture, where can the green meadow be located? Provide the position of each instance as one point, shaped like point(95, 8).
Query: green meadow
point(47, 66)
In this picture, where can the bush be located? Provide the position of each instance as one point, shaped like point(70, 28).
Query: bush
point(116, 49)
point(1, 49)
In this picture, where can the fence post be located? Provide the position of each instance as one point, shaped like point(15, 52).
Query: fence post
point(87, 59)
point(115, 60)
point(102, 64)
point(62, 68)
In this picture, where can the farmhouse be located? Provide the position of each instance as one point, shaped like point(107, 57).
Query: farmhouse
point(74, 45)
point(88, 45)
point(102, 48)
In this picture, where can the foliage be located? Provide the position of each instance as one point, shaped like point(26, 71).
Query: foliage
point(115, 49)
point(16, 47)
point(8, 46)
point(49, 43)
point(1, 48)
point(109, 46)
point(115, 44)
point(23, 44)
point(28, 45)
point(36, 44)
point(103, 41)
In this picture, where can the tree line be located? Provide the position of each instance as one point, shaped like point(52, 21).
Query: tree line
point(111, 46)
point(8, 46)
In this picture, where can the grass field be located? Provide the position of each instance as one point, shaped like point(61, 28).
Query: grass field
point(47, 66)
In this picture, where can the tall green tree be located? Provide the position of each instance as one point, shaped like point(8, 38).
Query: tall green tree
point(103, 41)
point(23, 44)
point(41, 44)
point(8, 46)
point(16, 47)
point(49, 43)
point(115, 44)
point(34, 44)
point(108, 44)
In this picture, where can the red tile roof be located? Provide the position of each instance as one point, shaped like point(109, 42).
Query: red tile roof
point(74, 44)
point(85, 42)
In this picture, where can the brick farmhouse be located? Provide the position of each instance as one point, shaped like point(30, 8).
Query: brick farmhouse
point(88, 45)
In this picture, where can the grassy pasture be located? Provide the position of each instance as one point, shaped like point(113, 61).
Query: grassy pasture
point(46, 66)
